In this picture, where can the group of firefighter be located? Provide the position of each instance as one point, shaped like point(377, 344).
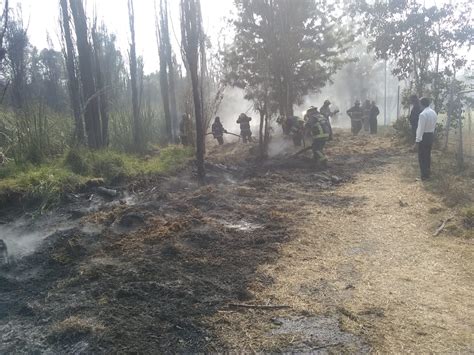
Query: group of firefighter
point(315, 124)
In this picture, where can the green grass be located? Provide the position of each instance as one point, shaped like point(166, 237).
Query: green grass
point(46, 183)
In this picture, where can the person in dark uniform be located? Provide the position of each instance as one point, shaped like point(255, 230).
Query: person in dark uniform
point(374, 112)
point(319, 128)
point(325, 110)
point(355, 113)
point(297, 131)
point(245, 132)
point(218, 130)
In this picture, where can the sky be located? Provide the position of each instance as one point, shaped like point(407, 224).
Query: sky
point(42, 17)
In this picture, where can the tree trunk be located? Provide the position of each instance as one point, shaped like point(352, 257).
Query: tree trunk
point(91, 106)
point(3, 51)
point(191, 39)
point(165, 95)
point(137, 134)
point(73, 83)
point(172, 94)
point(261, 134)
point(161, 31)
point(450, 111)
point(102, 94)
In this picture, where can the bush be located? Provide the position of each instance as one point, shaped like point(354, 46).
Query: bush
point(402, 128)
point(108, 165)
point(46, 184)
point(76, 160)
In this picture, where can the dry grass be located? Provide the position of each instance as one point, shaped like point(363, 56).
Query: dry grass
point(374, 264)
point(73, 328)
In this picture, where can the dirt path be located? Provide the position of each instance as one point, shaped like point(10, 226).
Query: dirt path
point(348, 252)
point(364, 254)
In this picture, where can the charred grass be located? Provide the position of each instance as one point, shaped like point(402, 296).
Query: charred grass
point(166, 285)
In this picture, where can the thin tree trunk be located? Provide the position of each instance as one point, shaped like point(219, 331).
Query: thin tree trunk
point(137, 136)
point(3, 51)
point(172, 94)
point(73, 82)
point(91, 106)
point(102, 96)
point(450, 112)
point(261, 134)
point(160, 28)
point(171, 81)
point(191, 33)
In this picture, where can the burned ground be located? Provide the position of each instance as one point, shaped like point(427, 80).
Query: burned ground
point(180, 267)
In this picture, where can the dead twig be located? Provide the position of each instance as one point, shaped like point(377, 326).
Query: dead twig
point(258, 306)
point(441, 227)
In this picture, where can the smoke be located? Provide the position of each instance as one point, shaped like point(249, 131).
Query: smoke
point(280, 145)
point(24, 235)
point(231, 107)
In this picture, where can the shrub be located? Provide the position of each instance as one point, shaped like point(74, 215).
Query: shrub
point(76, 160)
point(108, 165)
point(403, 129)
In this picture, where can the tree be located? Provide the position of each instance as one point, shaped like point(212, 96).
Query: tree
point(167, 80)
point(300, 40)
point(137, 131)
point(73, 81)
point(99, 61)
point(192, 47)
point(282, 51)
point(4, 19)
point(86, 67)
point(18, 50)
point(418, 39)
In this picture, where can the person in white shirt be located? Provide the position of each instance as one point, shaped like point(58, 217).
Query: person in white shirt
point(425, 136)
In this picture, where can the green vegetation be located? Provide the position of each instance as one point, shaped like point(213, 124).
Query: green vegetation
point(45, 184)
point(403, 129)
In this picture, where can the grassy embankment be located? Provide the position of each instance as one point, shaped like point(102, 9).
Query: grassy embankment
point(45, 184)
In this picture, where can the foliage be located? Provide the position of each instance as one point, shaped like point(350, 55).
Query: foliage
point(403, 129)
point(420, 40)
point(284, 49)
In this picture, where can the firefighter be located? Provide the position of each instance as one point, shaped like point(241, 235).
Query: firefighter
point(319, 128)
point(374, 112)
point(245, 132)
point(366, 115)
point(325, 110)
point(355, 113)
point(283, 122)
point(218, 130)
point(297, 130)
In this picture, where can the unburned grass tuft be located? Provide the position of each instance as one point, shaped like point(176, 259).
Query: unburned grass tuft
point(74, 328)
point(46, 183)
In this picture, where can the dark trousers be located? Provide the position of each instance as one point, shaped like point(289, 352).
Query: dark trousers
point(317, 148)
point(356, 126)
point(297, 139)
point(220, 139)
point(424, 155)
point(373, 125)
point(246, 135)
